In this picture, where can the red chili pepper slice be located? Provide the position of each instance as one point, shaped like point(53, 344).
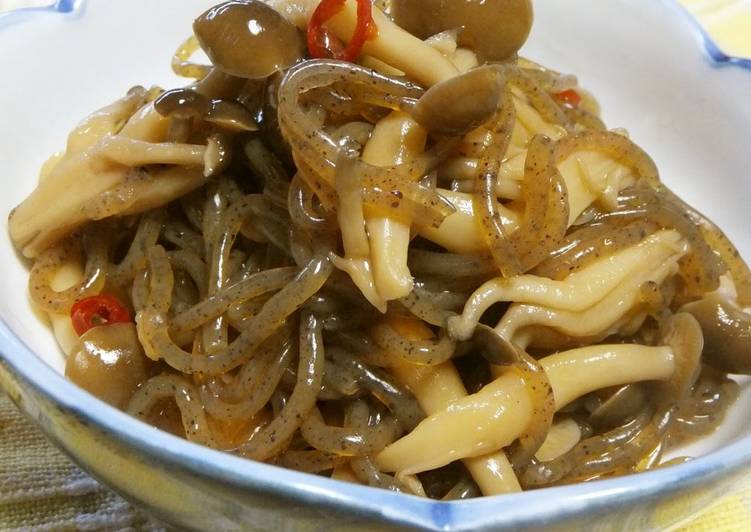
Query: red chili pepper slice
point(92, 311)
point(322, 44)
point(569, 96)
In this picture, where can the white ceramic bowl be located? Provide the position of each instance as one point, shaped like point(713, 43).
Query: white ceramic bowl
point(642, 59)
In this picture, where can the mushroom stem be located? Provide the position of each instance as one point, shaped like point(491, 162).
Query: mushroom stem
point(396, 139)
point(437, 386)
point(499, 413)
point(393, 45)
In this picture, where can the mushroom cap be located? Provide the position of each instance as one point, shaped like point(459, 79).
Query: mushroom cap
point(182, 103)
point(462, 103)
point(248, 39)
point(495, 348)
point(623, 404)
point(108, 362)
point(494, 29)
point(727, 333)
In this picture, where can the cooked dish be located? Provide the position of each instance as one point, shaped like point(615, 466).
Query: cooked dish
point(372, 242)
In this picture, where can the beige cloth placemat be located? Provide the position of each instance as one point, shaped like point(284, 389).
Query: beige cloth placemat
point(41, 489)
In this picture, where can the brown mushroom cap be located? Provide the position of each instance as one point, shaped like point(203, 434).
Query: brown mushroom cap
point(727, 333)
point(108, 362)
point(231, 117)
point(494, 29)
point(248, 39)
point(219, 85)
point(493, 347)
point(182, 103)
point(623, 404)
point(188, 103)
point(460, 104)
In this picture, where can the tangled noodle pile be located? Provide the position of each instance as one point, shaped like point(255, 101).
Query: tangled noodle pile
point(386, 251)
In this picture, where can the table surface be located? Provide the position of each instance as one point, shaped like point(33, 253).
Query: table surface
point(41, 489)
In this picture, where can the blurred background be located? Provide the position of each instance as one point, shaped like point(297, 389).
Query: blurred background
point(6, 5)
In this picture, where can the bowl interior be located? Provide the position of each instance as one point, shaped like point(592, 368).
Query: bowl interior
point(640, 59)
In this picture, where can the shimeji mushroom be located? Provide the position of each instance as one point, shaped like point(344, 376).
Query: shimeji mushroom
point(498, 414)
point(114, 164)
point(108, 362)
point(119, 162)
point(392, 45)
point(462, 103)
point(727, 333)
point(494, 29)
point(248, 39)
